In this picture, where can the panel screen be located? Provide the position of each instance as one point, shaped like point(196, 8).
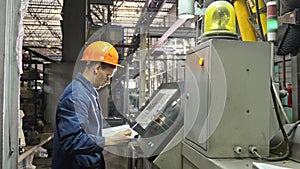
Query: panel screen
point(155, 106)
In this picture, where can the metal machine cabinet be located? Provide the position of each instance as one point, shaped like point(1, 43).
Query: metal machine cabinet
point(227, 99)
point(160, 120)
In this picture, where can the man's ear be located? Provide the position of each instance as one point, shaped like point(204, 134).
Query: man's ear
point(96, 68)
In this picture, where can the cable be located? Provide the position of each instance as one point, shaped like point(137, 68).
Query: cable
point(281, 107)
point(293, 128)
point(286, 140)
point(253, 149)
point(258, 155)
point(259, 21)
point(289, 133)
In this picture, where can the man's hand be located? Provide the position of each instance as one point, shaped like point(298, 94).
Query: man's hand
point(118, 138)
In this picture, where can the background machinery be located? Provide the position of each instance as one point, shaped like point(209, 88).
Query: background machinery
point(233, 116)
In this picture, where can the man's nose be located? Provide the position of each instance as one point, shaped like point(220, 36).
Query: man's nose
point(108, 80)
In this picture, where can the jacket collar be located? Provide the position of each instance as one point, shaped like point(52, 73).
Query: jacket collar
point(87, 84)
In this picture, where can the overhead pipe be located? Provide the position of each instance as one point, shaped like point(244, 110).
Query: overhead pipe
point(259, 7)
point(186, 9)
point(142, 71)
point(148, 13)
point(242, 14)
point(283, 73)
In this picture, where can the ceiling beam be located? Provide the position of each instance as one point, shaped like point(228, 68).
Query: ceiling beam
point(38, 54)
point(168, 33)
point(149, 12)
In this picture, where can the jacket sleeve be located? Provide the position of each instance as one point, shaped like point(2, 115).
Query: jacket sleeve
point(72, 136)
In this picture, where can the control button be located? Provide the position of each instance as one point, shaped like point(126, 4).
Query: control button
point(201, 61)
point(150, 144)
point(158, 119)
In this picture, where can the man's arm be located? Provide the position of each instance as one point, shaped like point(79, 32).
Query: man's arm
point(119, 138)
point(72, 136)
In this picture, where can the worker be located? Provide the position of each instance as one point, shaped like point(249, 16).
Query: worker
point(78, 140)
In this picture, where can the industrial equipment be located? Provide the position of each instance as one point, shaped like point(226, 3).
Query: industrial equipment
point(228, 97)
point(227, 105)
point(219, 21)
point(294, 138)
point(159, 120)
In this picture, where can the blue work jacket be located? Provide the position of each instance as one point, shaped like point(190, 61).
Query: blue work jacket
point(78, 141)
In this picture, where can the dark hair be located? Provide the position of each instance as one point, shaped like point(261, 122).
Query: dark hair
point(102, 64)
point(106, 65)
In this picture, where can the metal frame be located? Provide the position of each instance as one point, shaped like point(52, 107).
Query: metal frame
point(9, 88)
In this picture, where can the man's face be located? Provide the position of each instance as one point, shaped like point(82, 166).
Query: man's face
point(103, 77)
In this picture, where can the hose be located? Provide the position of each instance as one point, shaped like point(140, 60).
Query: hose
point(259, 21)
point(286, 140)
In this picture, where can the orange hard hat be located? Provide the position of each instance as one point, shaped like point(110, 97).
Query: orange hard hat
point(101, 51)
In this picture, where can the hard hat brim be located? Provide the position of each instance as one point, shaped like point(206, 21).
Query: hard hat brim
point(118, 65)
point(114, 64)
